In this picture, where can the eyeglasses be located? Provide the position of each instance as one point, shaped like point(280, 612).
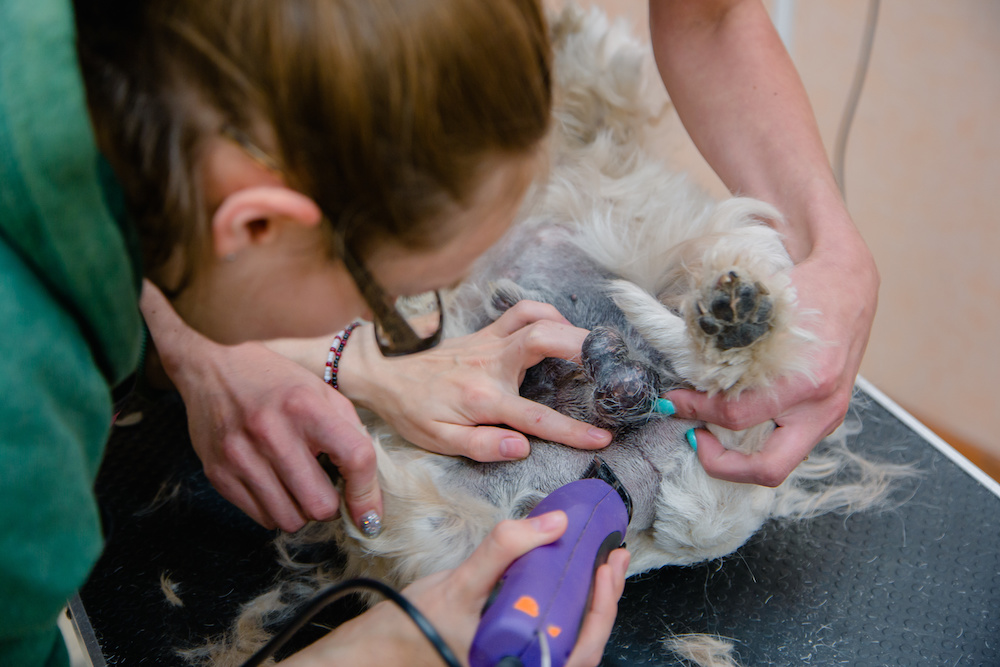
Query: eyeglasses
point(393, 334)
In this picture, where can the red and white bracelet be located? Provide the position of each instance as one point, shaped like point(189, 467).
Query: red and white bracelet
point(337, 349)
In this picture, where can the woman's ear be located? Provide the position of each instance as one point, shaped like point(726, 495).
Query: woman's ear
point(254, 215)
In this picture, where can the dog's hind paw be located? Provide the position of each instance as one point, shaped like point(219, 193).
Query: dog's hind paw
point(735, 313)
point(624, 388)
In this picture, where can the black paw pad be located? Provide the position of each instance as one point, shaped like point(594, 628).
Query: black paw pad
point(738, 312)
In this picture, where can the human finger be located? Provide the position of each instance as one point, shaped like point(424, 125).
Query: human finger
point(279, 437)
point(508, 541)
point(479, 443)
point(609, 583)
point(522, 314)
point(271, 496)
point(770, 466)
point(544, 339)
point(308, 483)
point(240, 473)
point(157, 309)
point(495, 443)
point(351, 450)
point(543, 422)
point(238, 494)
point(750, 409)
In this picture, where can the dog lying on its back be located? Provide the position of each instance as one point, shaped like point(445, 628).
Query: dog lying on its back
point(678, 290)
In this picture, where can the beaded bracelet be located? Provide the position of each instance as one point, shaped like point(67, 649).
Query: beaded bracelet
point(337, 349)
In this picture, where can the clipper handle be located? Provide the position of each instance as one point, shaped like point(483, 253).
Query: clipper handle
point(548, 590)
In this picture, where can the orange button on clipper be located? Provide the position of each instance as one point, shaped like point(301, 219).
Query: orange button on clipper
point(528, 605)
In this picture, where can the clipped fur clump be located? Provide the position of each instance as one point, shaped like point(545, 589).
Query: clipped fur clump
point(252, 629)
point(702, 650)
point(678, 289)
point(169, 589)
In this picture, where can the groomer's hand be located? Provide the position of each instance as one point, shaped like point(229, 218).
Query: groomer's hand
point(768, 146)
point(840, 285)
point(453, 601)
point(449, 398)
point(258, 421)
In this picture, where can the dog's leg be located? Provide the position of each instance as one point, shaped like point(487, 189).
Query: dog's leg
point(726, 317)
point(624, 387)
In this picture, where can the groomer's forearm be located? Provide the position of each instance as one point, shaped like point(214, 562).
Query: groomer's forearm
point(741, 100)
point(359, 357)
point(310, 353)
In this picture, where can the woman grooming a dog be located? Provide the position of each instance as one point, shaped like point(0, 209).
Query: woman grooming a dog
point(740, 98)
point(285, 168)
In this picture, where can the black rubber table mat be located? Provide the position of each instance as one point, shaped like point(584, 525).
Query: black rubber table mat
point(915, 585)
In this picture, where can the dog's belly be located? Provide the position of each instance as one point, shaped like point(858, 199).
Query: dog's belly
point(614, 386)
point(640, 456)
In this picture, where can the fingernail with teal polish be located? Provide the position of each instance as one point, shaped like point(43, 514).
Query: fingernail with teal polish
point(665, 407)
point(371, 525)
point(692, 440)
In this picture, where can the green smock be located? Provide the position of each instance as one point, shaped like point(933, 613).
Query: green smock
point(70, 328)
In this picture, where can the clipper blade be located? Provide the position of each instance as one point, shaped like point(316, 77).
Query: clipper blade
point(599, 469)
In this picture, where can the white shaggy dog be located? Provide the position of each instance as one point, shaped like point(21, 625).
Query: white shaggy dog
point(678, 289)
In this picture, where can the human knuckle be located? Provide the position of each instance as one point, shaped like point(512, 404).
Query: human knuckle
point(233, 452)
point(524, 307)
point(504, 534)
point(291, 524)
point(841, 404)
point(772, 477)
point(539, 335)
point(321, 508)
point(358, 457)
point(477, 447)
point(479, 397)
point(735, 416)
point(217, 477)
point(260, 423)
point(828, 384)
point(266, 440)
point(298, 401)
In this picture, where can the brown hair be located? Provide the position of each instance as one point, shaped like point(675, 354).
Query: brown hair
point(380, 110)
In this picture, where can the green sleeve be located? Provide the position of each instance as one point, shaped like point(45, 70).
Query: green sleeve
point(57, 199)
point(69, 327)
point(55, 416)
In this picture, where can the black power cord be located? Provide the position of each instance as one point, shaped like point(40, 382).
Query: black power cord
point(336, 591)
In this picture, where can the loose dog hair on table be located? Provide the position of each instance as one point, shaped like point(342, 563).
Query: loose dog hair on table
point(679, 290)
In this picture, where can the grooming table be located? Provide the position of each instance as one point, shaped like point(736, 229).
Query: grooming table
point(918, 584)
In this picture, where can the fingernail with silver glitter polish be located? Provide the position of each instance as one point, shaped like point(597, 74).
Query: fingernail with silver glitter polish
point(371, 525)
